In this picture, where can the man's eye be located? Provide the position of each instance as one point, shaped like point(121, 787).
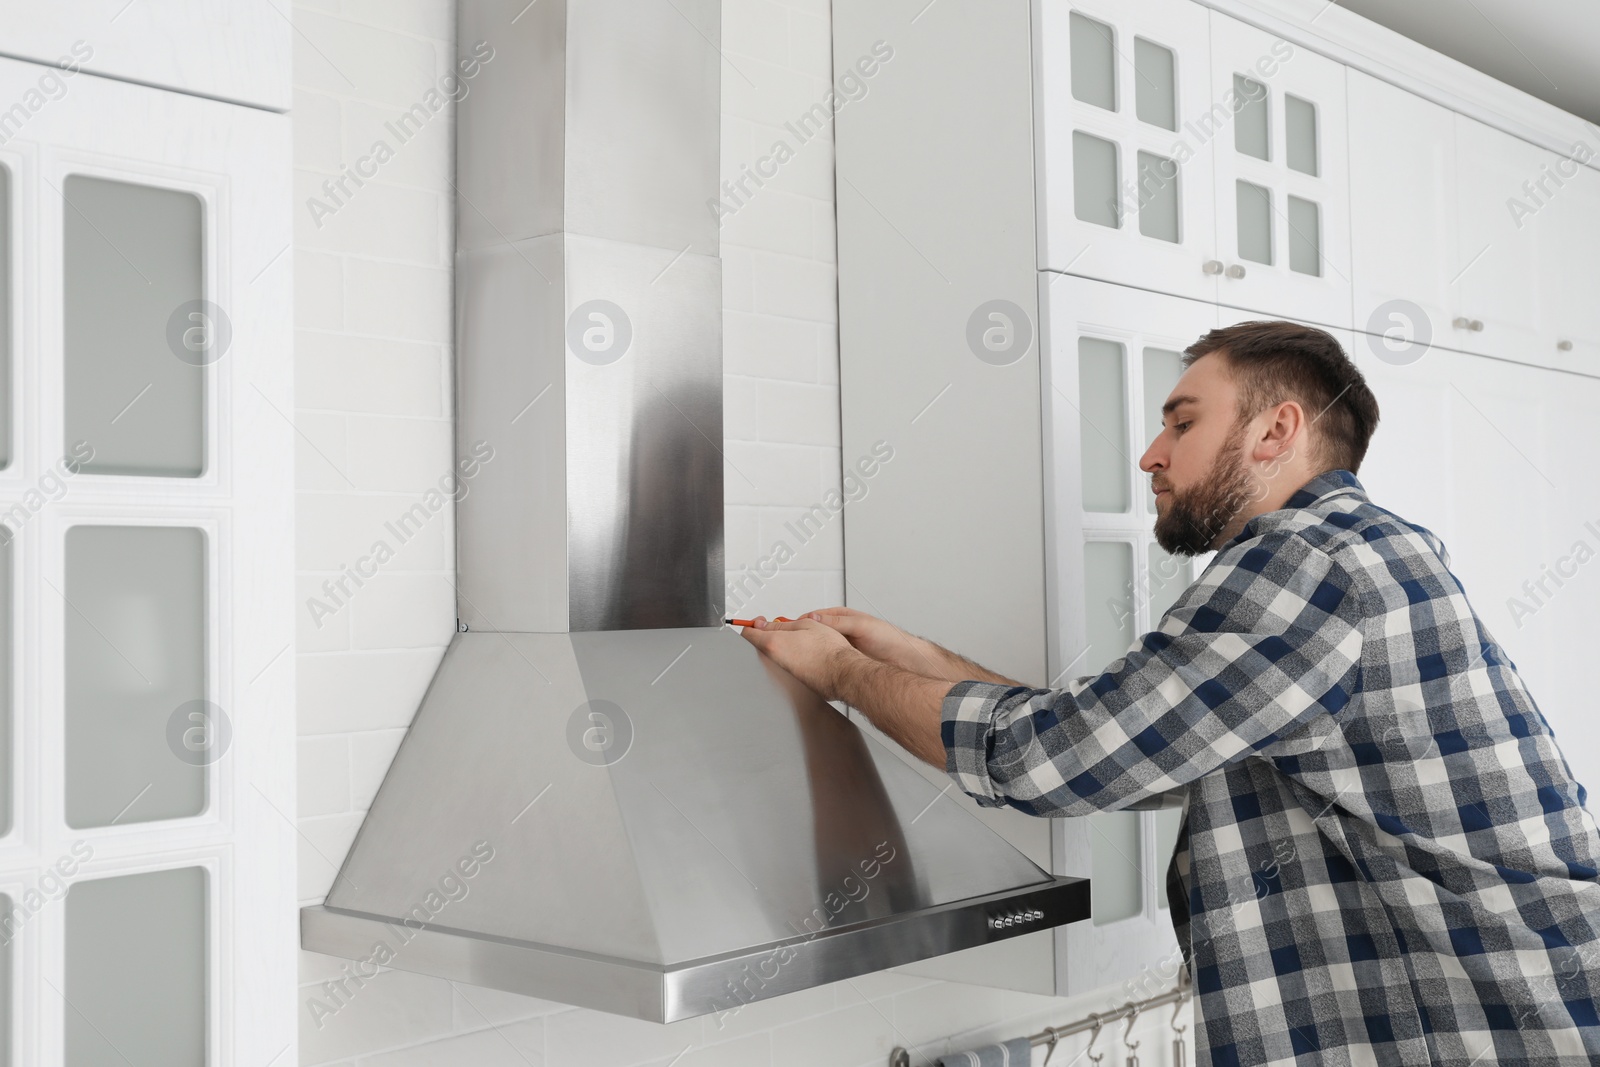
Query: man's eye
point(1180, 426)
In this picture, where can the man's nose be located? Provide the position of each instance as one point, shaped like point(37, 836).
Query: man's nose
point(1154, 458)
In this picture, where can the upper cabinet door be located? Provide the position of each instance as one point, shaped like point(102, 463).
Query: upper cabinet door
point(1570, 221)
point(1126, 128)
point(1403, 200)
point(1282, 176)
point(1469, 238)
point(1499, 301)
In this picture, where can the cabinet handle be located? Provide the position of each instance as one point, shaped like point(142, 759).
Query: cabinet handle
point(1212, 266)
point(1236, 271)
point(1475, 325)
point(1564, 346)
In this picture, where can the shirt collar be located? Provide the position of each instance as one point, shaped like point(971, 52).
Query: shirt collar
point(1323, 487)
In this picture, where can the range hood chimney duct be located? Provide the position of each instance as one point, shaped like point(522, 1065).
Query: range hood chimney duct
point(607, 798)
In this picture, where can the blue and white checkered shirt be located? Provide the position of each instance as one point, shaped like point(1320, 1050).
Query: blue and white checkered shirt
point(1385, 858)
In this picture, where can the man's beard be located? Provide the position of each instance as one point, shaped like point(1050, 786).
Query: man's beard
point(1195, 519)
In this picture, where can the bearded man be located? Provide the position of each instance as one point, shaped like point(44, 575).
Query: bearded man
point(1338, 721)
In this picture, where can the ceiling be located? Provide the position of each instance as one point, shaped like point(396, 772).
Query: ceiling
point(1546, 48)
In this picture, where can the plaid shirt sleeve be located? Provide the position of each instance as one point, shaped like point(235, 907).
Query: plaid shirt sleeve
point(1266, 639)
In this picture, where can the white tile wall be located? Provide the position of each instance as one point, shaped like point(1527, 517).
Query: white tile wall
point(372, 374)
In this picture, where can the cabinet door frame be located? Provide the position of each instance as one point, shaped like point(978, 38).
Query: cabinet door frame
point(1140, 949)
point(1496, 255)
point(1067, 244)
point(1403, 175)
point(238, 160)
point(1275, 289)
point(219, 49)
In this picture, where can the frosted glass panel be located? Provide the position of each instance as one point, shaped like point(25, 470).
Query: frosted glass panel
point(135, 658)
point(136, 970)
point(1255, 222)
point(1168, 820)
point(1094, 62)
point(1300, 119)
point(1165, 580)
point(1108, 603)
point(1162, 368)
point(1115, 882)
point(1158, 197)
point(1252, 119)
point(1102, 425)
point(1155, 96)
point(5, 324)
point(1305, 236)
point(132, 282)
point(1094, 180)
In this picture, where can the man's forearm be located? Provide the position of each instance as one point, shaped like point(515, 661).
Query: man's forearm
point(904, 705)
point(954, 667)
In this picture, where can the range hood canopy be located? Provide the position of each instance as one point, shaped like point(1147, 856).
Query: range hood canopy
point(607, 798)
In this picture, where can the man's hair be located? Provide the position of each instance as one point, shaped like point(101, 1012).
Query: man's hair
point(1274, 361)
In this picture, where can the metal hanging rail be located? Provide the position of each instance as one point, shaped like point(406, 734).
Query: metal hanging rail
point(900, 1057)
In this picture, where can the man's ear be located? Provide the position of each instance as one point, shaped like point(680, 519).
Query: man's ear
point(1280, 429)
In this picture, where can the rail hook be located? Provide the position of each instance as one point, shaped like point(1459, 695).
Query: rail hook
point(1051, 1050)
point(1089, 1051)
point(1180, 1050)
point(1127, 1033)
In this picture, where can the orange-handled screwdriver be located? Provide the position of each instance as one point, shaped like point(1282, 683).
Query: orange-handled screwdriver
point(752, 622)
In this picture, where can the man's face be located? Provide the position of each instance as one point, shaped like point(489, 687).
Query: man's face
point(1196, 463)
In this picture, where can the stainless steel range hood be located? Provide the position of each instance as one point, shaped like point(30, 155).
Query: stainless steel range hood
point(607, 798)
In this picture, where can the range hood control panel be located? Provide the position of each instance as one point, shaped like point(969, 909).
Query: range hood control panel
point(1009, 919)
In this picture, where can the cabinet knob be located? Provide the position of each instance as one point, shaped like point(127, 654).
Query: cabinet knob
point(1236, 271)
point(1475, 325)
point(1564, 346)
point(1212, 266)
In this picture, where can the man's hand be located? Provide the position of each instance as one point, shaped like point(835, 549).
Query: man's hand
point(887, 643)
point(813, 652)
point(904, 705)
point(879, 639)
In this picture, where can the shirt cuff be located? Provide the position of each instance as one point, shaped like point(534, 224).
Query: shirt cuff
point(967, 729)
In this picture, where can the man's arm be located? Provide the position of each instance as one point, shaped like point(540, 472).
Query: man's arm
point(1268, 637)
point(954, 667)
point(887, 643)
point(903, 704)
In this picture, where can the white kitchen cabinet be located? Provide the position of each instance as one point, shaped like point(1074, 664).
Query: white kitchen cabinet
point(1184, 151)
point(1551, 609)
point(1282, 176)
point(1569, 269)
point(1500, 305)
point(1497, 459)
point(1456, 240)
point(1111, 356)
point(1403, 200)
point(147, 683)
point(1125, 143)
point(222, 49)
point(1016, 527)
point(1527, 219)
point(929, 255)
